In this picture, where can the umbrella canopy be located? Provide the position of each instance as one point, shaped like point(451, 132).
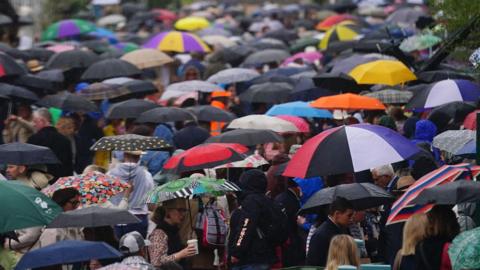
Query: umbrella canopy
point(187, 187)
point(192, 24)
point(347, 64)
point(67, 252)
point(252, 161)
point(419, 42)
point(94, 187)
point(248, 137)
point(194, 85)
point(102, 91)
point(341, 32)
point(219, 41)
point(454, 141)
point(361, 195)
point(464, 252)
point(8, 66)
point(26, 154)
point(112, 19)
point(68, 102)
point(450, 113)
point(93, 216)
point(405, 16)
point(470, 121)
point(214, 31)
point(439, 75)
point(210, 113)
point(333, 20)
point(110, 68)
point(298, 108)
point(259, 121)
point(177, 42)
point(136, 88)
point(267, 93)
point(306, 90)
point(233, 75)
point(338, 82)
point(32, 208)
point(129, 142)
point(131, 108)
point(460, 191)
point(391, 96)
point(388, 72)
point(266, 56)
point(443, 92)
point(348, 102)
point(67, 28)
point(147, 58)
point(308, 57)
point(299, 122)
point(165, 114)
point(164, 14)
point(205, 156)
point(17, 93)
point(72, 59)
point(351, 148)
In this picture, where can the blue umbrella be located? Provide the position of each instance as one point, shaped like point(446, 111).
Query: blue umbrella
point(104, 33)
point(298, 108)
point(67, 252)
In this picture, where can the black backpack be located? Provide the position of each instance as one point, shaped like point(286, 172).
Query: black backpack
point(273, 226)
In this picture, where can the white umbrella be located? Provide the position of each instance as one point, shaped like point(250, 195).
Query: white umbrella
point(112, 19)
point(233, 75)
point(260, 121)
point(194, 85)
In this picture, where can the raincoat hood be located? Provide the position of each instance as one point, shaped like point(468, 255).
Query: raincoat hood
point(425, 130)
point(253, 181)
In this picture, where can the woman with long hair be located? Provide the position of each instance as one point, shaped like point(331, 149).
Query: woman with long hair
point(413, 232)
point(343, 251)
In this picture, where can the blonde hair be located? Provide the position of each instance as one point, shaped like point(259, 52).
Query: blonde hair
point(414, 231)
point(94, 168)
point(342, 251)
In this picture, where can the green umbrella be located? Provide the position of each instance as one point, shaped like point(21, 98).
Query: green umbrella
point(22, 206)
point(67, 29)
point(419, 42)
point(464, 251)
point(187, 187)
point(302, 43)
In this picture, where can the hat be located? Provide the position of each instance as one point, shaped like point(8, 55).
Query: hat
point(134, 153)
point(132, 242)
point(403, 183)
point(340, 114)
point(34, 65)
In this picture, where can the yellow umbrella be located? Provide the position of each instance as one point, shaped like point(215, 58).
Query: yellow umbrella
point(388, 72)
point(192, 24)
point(341, 32)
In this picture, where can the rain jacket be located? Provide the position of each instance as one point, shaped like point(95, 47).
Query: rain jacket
point(425, 130)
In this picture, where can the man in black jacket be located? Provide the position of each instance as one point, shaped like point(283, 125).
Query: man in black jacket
point(247, 248)
point(340, 216)
point(48, 136)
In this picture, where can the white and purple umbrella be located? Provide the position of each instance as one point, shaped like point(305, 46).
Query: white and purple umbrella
point(443, 92)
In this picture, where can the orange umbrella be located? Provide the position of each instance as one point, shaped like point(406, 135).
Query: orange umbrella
point(333, 20)
point(348, 101)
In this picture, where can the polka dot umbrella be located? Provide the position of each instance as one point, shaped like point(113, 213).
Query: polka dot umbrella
point(129, 142)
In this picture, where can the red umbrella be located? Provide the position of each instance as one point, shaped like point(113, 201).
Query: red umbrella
point(470, 121)
point(334, 20)
point(164, 14)
point(205, 156)
point(299, 122)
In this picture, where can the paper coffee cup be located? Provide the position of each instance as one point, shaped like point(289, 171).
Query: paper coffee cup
point(193, 242)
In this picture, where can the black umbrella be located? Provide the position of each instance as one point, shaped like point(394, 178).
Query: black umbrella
point(111, 54)
point(129, 142)
point(26, 154)
point(39, 54)
point(93, 216)
point(452, 112)
point(268, 43)
point(68, 102)
point(266, 56)
point(129, 109)
point(306, 90)
point(439, 75)
point(8, 66)
point(165, 114)
point(233, 55)
point(38, 83)
point(247, 137)
point(460, 191)
point(339, 82)
point(140, 88)
point(72, 59)
point(267, 93)
point(361, 195)
point(209, 113)
point(101, 91)
point(110, 68)
point(97, 46)
point(17, 93)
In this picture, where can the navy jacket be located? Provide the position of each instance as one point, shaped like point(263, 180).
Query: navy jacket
point(320, 242)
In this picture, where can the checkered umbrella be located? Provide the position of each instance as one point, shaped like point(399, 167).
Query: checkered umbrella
point(391, 96)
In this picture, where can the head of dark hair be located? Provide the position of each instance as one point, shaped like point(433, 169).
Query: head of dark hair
point(442, 222)
point(62, 196)
point(339, 204)
point(142, 130)
point(159, 215)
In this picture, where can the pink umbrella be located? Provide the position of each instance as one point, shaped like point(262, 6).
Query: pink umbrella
point(306, 56)
point(58, 48)
point(299, 122)
point(470, 121)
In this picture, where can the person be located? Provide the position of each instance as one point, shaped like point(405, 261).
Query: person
point(219, 99)
point(340, 214)
point(442, 227)
point(133, 246)
point(34, 176)
point(247, 249)
point(413, 233)
point(18, 128)
point(342, 251)
point(48, 136)
point(165, 238)
point(384, 177)
point(129, 170)
point(66, 126)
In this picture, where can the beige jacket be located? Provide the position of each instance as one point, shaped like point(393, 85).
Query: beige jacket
point(18, 131)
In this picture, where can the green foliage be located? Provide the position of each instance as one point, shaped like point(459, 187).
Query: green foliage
point(55, 10)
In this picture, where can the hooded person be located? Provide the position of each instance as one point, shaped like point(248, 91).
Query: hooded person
point(191, 70)
point(425, 130)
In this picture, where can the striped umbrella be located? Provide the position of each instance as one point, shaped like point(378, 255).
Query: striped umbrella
point(340, 32)
point(333, 20)
point(67, 28)
point(175, 41)
point(402, 209)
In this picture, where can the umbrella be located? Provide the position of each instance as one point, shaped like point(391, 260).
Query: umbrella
point(333, 20)
point(282, 34)
point(338, 82)
point(136, 88)
point(252, 161)
point(26, 154)
point(8, 66)
point(23, 206)
point(164, 14)
point(406, 17)
point(67, 28)
point(259, 121)
point(233, 55)
point(267, 93)
point(209, 113)
point(402, 209)
point(17, 93)
point(389, 72)
point(147, 58)
point(102, 91)
point(233, 75)
point(129, 142)
point(438, 75)
point(94, 187)
point(347, 64)
point(348, 102)
point(266, 56)
point(58, 48)
point(341, 32)
point(450, 113)
point(248, 137)
point(165, 114)
point(443, 92)
point(192, 23)
point(301, 124)
point(351, 148)
point(460, 191)
point(187, 187)
point(470, 121)
point(306, 90)
point(131, 108)
point(361, 195)
point(177, 42)
point(205, 156)
point(68, 102)
point(72, 59)
point(39, 54)
point(67, 252)
point(125, 47)
point(464, 251)
point(309, 57)
point(268, 44)
point(391, 96)
point(93, 216)
point(110, 68)
point(298, 108)
point(214, 31)
point(453, 141)
point(112, 19)
point(419, 42)
point(98, 46)
point(300, 44)
point(219, 41)
point(193, 85)
point(271, 24)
